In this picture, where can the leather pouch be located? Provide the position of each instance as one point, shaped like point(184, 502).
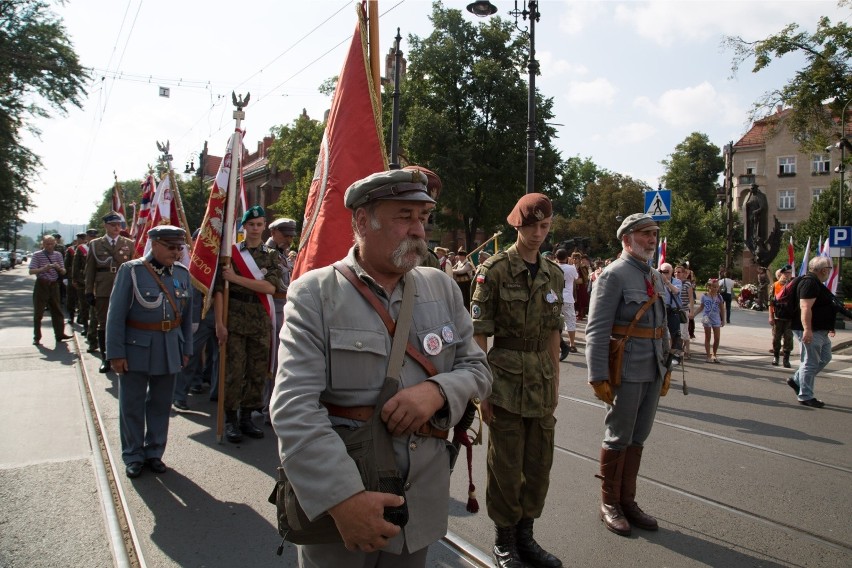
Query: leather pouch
point(616, 357)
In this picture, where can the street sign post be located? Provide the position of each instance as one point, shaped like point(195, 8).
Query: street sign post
point(840, 242)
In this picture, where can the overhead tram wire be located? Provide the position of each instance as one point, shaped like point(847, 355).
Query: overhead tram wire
point(123, 51)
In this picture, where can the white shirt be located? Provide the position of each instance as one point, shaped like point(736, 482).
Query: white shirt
point(571, 274)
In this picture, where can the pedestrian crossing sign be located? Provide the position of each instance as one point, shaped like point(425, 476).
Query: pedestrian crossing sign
point(658, 204)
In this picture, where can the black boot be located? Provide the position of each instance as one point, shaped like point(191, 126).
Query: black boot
point(232, 430)
point(786, 360)
point(247, 427)
point(529, 550)
point(563, 349)
point(105, 366)
point(775, 359)
point(505, 552)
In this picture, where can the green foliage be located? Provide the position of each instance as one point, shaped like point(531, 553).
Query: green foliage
point(38, 70)
point(194, 196)
point(463, 115)
point(827, 76)
point(295, 149)
point(692, 170)
point(608, 199)
point(131, 191)
point(575, 175)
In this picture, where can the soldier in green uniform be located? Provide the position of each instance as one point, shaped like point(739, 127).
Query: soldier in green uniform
point(72, 297)
point(86, 316)
point(248, 334)
point(105, 255)
point(517, 298)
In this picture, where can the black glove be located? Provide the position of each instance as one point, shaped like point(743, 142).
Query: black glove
point(90, 299)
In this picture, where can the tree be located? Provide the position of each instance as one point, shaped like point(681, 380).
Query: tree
point(464, 104)
point(38, 69)
point(131, 190)
point(295, 149)
point(826, 77)
point(608, 200)
point(575, 175)
point(692, 170)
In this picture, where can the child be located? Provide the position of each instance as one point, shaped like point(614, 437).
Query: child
point(712, 305)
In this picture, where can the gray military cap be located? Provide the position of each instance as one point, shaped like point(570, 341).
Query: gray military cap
point(284, 226)
point(400, 185)
point(636, 222)
point(166, 233)
point(111, 217)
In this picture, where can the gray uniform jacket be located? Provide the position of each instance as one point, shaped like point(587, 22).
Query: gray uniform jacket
point(136, 296)
point(618, 293)
point(335, 348)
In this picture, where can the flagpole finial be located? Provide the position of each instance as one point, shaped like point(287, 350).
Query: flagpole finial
point(240, 103)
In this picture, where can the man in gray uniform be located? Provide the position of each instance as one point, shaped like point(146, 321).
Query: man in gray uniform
point(333, 360)
point(148, 339)
point(620, 292)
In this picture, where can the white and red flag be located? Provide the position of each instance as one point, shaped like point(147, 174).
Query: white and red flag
point(117, 205)
point(791, 258)
point(351, 149)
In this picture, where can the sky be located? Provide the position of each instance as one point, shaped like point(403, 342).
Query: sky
point(630, 80)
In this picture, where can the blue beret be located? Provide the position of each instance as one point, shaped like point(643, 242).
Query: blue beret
point(112, 217)
point(636, 222)
point(400, 185)
point(253, 212)
point(166, 233)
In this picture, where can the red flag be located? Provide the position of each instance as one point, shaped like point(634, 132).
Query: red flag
point(117, 205)
point(791, 260)
point(351, 149)
point(163, 212)
point(204, 261)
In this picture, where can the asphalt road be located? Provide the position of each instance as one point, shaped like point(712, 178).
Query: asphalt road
point(737, 472)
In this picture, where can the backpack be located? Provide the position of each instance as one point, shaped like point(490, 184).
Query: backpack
point(786, 303)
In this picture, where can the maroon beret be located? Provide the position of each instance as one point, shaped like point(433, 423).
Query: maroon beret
point(433, 182)
point(531, 208)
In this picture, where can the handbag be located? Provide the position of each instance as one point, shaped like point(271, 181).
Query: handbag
point(370, 446)
point(617, 345)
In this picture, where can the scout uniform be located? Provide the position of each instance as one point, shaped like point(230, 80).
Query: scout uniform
point(521, 306)
point(249, 340)
point(149, 324)
point(103, 259)
point(617, 296)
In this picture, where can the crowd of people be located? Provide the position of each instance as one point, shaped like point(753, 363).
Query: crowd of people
point(322, 357)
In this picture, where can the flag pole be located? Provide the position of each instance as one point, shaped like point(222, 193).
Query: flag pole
point(373, 38)
point(176, 194)
point(225, 254)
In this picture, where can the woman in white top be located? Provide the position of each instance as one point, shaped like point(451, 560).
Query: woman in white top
point(568, 312)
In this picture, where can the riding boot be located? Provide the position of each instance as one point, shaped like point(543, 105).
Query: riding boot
point(775, 359)
point(564, 349)
point(247, 427)
point(232, 429)
point(105, 365)
point(786, 360)
point(612, 469)
point(632, 459)
point(529, 550)
point(505, 550)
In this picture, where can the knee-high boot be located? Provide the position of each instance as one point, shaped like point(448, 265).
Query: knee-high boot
point(612, 470)
point(632, 460)
point(505, 549)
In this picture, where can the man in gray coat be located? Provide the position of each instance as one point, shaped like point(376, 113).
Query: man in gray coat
point(333, 361)
point(620, 292)
point(148, 340)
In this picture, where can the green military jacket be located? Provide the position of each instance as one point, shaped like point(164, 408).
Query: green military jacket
point(102, 262)
point(267, 261)
point(511, 306)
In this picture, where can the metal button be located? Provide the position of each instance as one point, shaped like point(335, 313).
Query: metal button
point(412, 446)
point(407, 486)
point(359, 345)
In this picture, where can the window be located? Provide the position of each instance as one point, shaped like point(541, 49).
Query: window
point(750, 167)
point(820, 164)
point(816, 192)
point(786, 199)
point(787, 166)
point(786, 227)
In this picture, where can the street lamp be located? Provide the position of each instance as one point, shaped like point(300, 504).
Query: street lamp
point(484, 8)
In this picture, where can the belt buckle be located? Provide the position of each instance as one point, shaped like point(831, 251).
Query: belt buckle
point(166, 325)
point(113, 269)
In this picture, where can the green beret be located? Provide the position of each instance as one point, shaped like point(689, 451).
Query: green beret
point(399, 185)
point(253, 212)
point(530, 209)
point(636, 222)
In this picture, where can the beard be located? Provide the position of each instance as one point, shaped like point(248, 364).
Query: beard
point(409, 253)
point(637, 251)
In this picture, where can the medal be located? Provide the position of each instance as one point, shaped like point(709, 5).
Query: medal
point(551, 296)
point(447, 334)
point(475, 311)
point(432, 344)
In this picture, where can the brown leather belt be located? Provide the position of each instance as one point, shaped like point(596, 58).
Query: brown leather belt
point(363, 413)
point(520, 344)
point(641, 332)
point(250, 298)
point(166, 325)
point(108, 269)
point(280, 295)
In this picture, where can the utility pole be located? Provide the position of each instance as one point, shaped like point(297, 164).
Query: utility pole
point(729, 202)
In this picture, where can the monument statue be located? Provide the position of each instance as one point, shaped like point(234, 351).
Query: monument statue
point(762, 243)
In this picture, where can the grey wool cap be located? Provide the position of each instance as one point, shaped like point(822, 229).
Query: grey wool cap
point(636, 222)
point(400, 185)
point(285, 226)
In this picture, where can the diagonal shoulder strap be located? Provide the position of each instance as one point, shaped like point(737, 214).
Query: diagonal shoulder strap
point(162, 286)
point(640, 313)
point(368, 295)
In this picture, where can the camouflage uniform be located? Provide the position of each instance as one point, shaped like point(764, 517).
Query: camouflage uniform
point(249, 335)
point(522, 315)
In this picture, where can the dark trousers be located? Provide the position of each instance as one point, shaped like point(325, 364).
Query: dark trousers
point(782, 330)
point(46, 295)
point(144, 406)
point(728, 299)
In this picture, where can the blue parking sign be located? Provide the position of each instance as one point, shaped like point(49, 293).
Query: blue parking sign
point(840, 236)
